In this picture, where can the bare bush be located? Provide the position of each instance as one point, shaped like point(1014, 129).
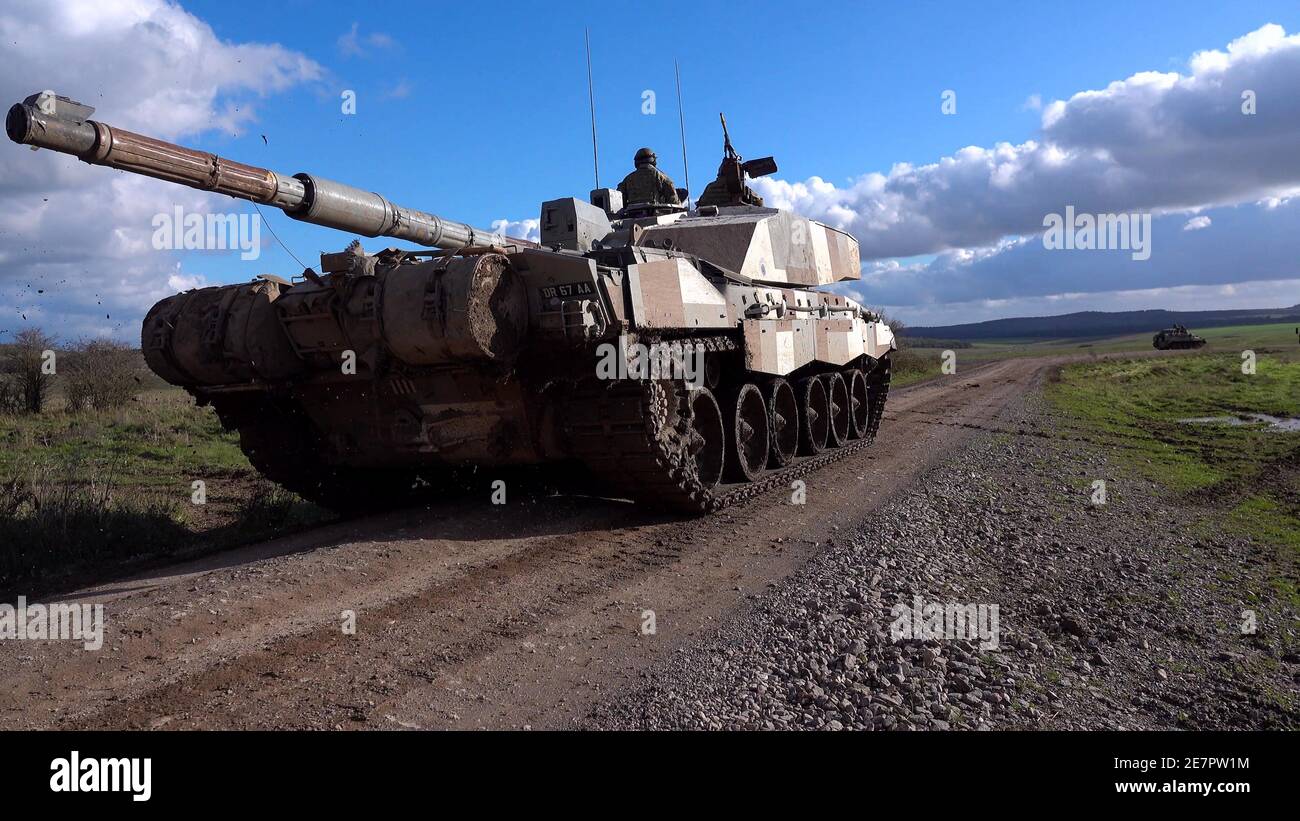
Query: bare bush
point(30, 366)
point(100, 374)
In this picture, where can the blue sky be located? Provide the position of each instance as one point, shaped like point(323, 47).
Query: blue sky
point(495, 120)
point(480, 113)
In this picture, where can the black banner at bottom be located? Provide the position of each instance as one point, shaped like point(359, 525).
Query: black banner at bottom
point(141, 772)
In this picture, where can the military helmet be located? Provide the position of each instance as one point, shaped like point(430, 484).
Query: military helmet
point(645, 156)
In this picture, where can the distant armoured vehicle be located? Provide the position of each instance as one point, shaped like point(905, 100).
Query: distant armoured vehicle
point(684, 357)
point(1175, 338)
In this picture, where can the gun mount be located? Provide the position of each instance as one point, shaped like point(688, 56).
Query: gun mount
point(729, 188)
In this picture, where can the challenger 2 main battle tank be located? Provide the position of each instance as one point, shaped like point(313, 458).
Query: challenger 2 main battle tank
point(683, 356)
point(1176, 338)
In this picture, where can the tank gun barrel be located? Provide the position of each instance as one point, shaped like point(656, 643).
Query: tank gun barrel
point(59, 124)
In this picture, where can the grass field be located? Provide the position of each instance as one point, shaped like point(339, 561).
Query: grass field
point(1134, 406)
point(916, 364)
point(160, 440)
point(1233, 338)
point(78, 490)
point(1249, 471)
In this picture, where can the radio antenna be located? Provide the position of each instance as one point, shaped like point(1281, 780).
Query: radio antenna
point(681, 121)
point(591, 98)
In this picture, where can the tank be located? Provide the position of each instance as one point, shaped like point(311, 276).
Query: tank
point(1176, 338)
point(688, 358)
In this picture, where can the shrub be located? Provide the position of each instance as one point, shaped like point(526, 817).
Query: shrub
point(101, 374)
point(907, 365)
point(29, 375)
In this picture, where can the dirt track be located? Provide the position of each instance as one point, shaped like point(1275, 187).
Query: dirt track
point(468, 615)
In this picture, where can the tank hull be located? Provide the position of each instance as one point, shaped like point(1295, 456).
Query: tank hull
point(395, 371)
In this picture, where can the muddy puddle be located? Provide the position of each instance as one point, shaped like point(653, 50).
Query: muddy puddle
point(1278, 423)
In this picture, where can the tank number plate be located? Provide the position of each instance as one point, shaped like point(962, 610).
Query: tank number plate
point(567, 290)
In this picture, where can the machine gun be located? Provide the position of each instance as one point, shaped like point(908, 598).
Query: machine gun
point(729, 188)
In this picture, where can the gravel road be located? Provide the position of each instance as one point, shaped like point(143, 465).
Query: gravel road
point(770, 614)
point(1122, 613)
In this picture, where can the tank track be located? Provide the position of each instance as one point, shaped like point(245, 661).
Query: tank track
point(627, 433)
point(624, 433)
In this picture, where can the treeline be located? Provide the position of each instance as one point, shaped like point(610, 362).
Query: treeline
point(931, 342)
point(94, 374)
point(904, 339)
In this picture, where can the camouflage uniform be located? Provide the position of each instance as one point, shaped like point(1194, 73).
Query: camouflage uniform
point(648, 185)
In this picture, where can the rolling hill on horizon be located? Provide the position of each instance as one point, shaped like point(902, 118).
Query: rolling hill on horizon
point(1102, 323)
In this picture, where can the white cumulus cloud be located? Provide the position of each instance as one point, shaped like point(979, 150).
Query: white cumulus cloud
point(529, 229)
point(1157, 141)
point(75, 250)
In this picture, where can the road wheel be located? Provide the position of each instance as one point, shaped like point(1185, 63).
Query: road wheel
point(748, 435)
point(706, 438)
point(814, 416)
point(837, 394)
point(859, 404)
point(783, 420)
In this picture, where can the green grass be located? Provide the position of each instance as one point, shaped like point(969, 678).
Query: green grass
point(1251, 473)
point(63, 517)
point(82, 491)
point(1139, 402)
point(912, 365)
point(1268, 521)
point(159, 439)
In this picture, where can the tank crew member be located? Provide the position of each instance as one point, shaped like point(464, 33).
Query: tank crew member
point(647, 185)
